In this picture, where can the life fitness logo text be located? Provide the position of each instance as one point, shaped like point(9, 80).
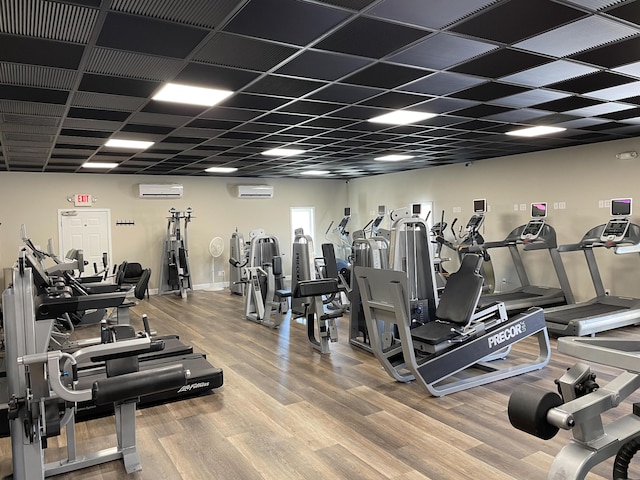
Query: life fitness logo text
point(193, 386)
point(506, 334)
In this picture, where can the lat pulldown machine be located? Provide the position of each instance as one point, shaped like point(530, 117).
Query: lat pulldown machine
point(175, 274)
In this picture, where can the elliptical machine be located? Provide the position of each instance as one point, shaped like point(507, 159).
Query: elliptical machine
point(175, 274)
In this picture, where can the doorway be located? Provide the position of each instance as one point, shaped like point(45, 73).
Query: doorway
point(86, 230)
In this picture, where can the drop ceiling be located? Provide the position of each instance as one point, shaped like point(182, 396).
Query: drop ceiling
point(309, 75)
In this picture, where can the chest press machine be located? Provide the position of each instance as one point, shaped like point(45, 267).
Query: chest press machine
point(43, 388)
point(460, 338)
point(321, 326)
point(266, 299)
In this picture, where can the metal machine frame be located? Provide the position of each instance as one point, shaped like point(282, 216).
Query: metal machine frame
point(527, 295)
point(37, 390)
point(487, 336)
point(175, 274)
point(581, 407)
point(603, 312)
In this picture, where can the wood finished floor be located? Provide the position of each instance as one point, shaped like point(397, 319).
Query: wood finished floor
point(287, 412)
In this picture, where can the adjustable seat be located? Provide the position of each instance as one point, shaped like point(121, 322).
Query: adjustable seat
point(457, 306)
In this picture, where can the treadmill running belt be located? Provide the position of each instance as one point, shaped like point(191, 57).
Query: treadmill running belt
point(581, 311)
point(507, 296)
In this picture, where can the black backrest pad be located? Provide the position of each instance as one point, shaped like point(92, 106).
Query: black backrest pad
point(330, 264)
point(462, 292)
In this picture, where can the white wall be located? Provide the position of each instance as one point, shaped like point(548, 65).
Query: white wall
point(579, 176)
point(34, 199)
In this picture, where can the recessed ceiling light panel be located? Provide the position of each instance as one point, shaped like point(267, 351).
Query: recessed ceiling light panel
point(402, 117)
point(535, 131)
point(282, 152)
point(221, 169)
point(393, 158)
point(104, 166)
point(208, 97)
point(133, 144)
point(315, 172)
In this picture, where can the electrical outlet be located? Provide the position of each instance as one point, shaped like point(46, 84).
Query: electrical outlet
point(562, 205)
point(555, 205)
point(600, 203)
point(516, 207)
point(221, 273)
point(523, 207)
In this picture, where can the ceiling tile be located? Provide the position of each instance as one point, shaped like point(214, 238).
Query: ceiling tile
point(530, 97)
point(29, 94)
point(443, 83)
point(345, 93)
point(549, 73)
point(119, 63)
point(629, 12)
point(234, 51)
point(370, 38)
point(139, 34)
point(500, 63)
point(576, 37)
point(322, 65)
point(600, 109)
point(288, 21)
point(201, 13)
point(526, 18)
point(113, 102)
point(428, 13)
point(442, 51)
point(211, 76)
point(34, 51)
point(116, 85)
point(568, 103)
point(284, 86)
point(615, 93)
point(615, 55)
point(590, 83)
point(384, 75)
point(489, 91)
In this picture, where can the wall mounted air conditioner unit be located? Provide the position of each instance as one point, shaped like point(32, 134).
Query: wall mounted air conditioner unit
point(173, 190)
point(254, 191)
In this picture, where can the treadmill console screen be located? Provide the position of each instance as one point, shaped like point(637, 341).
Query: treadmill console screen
point(532, 229)
point(539, 210)
point(343, 223)
point(378, 220)
point(475, 222)
point(620, 207)
point(615, 230)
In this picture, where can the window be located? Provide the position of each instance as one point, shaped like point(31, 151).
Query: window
point(303, 217)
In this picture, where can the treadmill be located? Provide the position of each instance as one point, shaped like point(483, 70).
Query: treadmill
point(604, 312)
point(535, 235)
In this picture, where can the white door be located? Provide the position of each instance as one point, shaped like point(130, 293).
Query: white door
point(87, 230)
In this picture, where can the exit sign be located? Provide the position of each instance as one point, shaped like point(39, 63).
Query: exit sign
point(82, 200)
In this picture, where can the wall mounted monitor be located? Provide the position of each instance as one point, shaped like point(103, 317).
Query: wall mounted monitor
point(480, 205)
point(347, 211)
point(620, 207)
point(539, 210)
point(415, 209)
point(382, 210)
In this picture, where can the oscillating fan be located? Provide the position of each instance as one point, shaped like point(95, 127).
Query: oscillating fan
point(216, 247)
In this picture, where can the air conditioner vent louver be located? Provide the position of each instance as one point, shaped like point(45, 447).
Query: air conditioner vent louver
point(173, 190)
point(254, 191)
